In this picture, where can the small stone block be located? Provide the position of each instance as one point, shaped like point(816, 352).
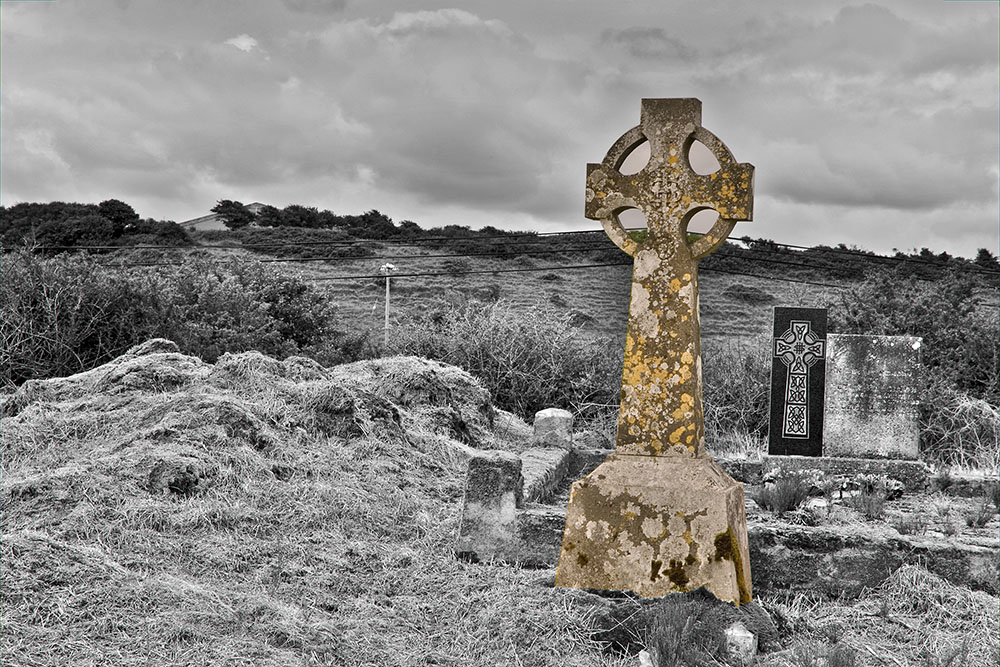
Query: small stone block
point(741, 643)
point(493, 490)
point(553, 428)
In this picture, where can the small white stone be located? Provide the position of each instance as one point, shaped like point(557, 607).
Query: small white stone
point(742, 643)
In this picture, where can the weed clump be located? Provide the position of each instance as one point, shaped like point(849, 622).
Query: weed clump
point(785, 494)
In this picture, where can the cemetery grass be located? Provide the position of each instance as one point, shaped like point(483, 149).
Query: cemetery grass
point(159, 510)
point(262, 513)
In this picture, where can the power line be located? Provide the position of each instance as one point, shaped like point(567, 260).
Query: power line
point(335, 242)
point(337, 258)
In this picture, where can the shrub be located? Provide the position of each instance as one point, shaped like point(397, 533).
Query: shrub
point(979, 516)
point(528, 359)
point(67, 314)
point(212, 307)
point(736, 384)
point(869, 503)
point(958, 429)
point(915, 524)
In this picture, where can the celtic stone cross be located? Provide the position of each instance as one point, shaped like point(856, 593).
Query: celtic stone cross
point(661, 401)
point(659, 515)
point(798, 349)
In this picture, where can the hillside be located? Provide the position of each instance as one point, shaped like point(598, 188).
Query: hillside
point(738, 287)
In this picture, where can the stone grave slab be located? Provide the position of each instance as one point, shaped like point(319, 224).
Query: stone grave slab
point(659, 515)
point(872, 397)
point(798, 371)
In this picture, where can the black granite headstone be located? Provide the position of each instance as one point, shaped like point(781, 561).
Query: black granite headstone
point(798, 374)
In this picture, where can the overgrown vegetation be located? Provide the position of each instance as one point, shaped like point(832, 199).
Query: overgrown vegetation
point(784, 494)
point(68, 314)
point(529, 360)
point(259, 512)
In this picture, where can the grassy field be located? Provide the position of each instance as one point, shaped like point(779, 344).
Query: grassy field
point(159, 510)
point(731, 306)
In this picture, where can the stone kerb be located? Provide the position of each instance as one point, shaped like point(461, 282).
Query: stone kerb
point(501, 518)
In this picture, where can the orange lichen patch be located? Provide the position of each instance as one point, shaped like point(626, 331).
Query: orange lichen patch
point(675, 437)
point(675, 285)
point(687, 358)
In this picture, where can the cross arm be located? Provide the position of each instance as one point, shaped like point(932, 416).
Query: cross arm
point(605, 199)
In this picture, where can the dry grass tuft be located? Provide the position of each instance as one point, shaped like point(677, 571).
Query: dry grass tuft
point(913, 618)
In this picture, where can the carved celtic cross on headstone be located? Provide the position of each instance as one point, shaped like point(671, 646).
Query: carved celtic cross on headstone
point(659, 515)
point(798, 349)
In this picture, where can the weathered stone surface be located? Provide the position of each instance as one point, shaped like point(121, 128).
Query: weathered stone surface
point(553, 428)
point(626, 529)
point(538, 528)
point(493, 490)
point(827, 560)
point(661, 400)
point(842, 561)
point(741, 644)
point(658, 516)
point(543, 468)
point(797, 381)
point(872, 397)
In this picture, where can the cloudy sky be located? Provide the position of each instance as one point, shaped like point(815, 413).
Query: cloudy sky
point(870, 123)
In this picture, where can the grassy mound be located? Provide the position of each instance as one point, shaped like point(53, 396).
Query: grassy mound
point(162, 510)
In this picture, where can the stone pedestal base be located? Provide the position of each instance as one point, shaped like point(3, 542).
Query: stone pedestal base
point(657, 525)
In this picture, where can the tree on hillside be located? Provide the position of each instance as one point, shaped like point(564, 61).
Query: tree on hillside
point(234, 215)
point(295, 215)
point(270, 216)
point(987, 260)
point(118, 213)
point(330, 220)
point(409, 228)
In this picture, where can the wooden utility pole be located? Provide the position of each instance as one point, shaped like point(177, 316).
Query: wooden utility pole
point(386, 270)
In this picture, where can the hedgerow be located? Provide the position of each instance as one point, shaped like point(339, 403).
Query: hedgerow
point(68, 314)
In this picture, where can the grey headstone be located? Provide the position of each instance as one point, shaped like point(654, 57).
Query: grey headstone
point(493, 490)
point(872, 393)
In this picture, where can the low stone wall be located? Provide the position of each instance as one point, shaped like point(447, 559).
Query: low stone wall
point(543, 469)
point(913, 475)
point(838, 561)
